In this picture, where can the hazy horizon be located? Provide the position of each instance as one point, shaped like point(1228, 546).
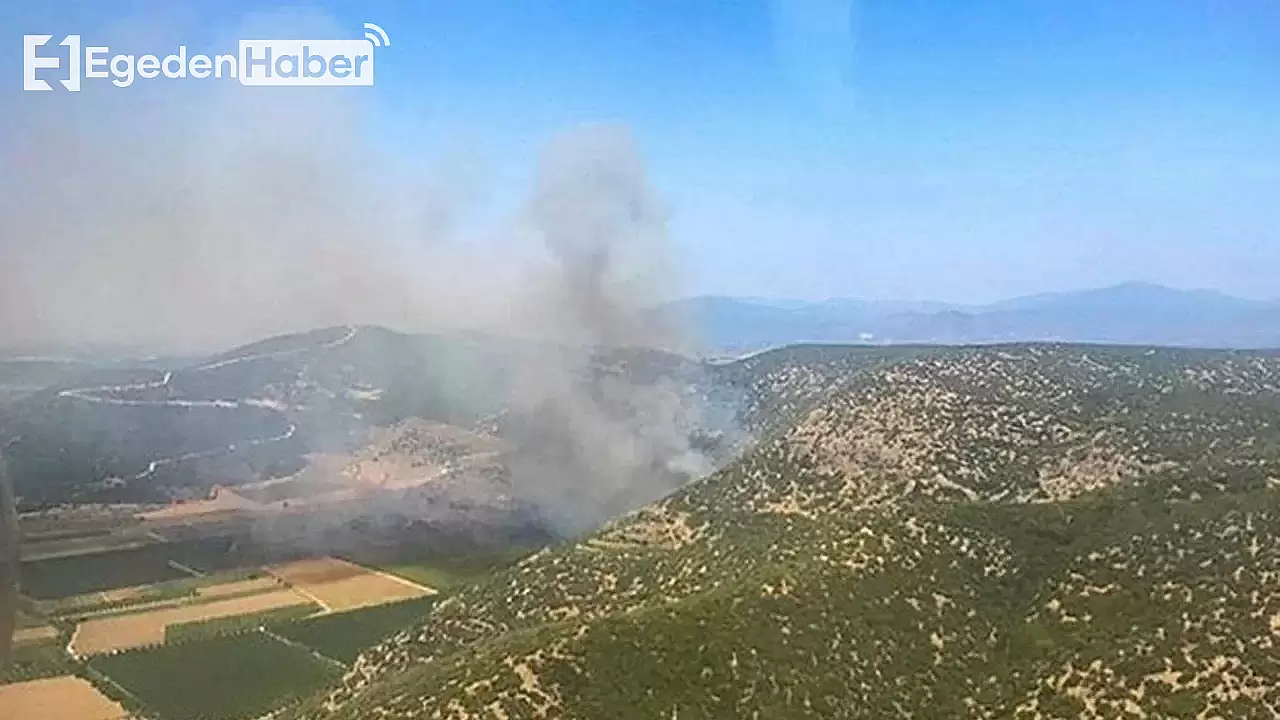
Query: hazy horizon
point(915, 304)
point(944, 301)
point(794, 149)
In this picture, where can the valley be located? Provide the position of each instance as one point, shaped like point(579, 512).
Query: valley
point(1016, 531)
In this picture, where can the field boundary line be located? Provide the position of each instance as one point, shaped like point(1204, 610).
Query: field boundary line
point(294, 643)
point(192, 596)
point(135, 608)
point(190, 571)
point(309, 596)
point(81, 552)
point(101, 677)
point(72, 642)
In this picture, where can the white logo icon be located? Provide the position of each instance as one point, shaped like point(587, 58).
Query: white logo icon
point(32, 62)
point(376, 35)
point(256, 62)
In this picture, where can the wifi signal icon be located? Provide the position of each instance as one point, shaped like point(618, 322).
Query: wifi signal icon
point(376, 35)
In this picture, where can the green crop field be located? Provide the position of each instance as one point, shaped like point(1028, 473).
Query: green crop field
point(55, 535)
point(109, 542)
point(184, 588)
point(342, 636)
point(80, 574)
point(449, 571)
point(221, 678)
point(24, 620)
point(32, 662)
point(186, 632)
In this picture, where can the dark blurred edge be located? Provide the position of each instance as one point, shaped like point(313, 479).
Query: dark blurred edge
point(8, 563)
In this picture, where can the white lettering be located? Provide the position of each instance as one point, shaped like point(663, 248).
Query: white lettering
point(201, 66)
point(179, 61)
point(148, 66)
point(32, 62)
point(122, 70)
point(229, 60)
point(95, 58)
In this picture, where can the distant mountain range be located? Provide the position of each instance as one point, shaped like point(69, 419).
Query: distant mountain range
point(1128, 314)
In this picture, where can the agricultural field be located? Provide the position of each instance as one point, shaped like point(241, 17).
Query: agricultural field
point(227, 678)
point(339, 585)
point(139, 629)
point(96, 572)
point(297, 656)
point(34, 635)
point(248, 586)
point(81, 574)
point(78, 522)
point(342, 636)
point(96, 543)
point(171, 592)
point(44, 530)
point(78, 606)
point(233, 624)
point(28, 621)
point(32, 662)
point(59, 698)
point(445, 572)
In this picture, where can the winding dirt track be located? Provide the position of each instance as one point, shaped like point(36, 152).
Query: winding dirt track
point(95, 395)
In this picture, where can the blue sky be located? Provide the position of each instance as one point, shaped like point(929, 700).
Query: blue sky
point(894, 149)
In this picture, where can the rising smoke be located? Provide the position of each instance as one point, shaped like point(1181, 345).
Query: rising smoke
point(180, 219)
point(201, 221)
point(596, 442)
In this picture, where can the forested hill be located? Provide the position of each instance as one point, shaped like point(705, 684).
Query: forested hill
point(1011, 532)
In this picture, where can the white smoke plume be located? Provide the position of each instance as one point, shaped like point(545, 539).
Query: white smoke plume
point(176, 218)
point(208, 221)
point(600, 442)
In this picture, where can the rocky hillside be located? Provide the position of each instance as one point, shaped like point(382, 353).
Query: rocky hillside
point(1041, 423)
point(1010, 532)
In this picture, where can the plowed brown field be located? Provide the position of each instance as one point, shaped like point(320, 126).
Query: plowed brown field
point(340, 585)
point(60, 698)
point(119, 632)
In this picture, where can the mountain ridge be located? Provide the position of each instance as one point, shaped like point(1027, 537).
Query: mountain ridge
point(1129, 313)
